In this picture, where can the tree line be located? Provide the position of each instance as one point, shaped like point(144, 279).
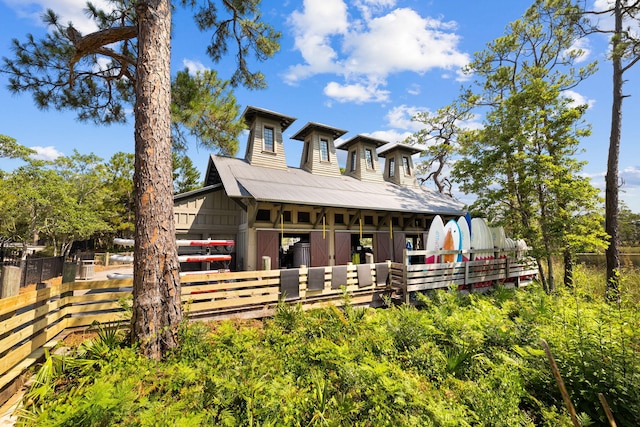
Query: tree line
point(521, 162)
point(74, 198)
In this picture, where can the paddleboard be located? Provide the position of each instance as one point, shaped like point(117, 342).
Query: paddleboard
point(477, 237)
point(499, 238)
point(452, 240)
point(465, 238)
point(435, 239)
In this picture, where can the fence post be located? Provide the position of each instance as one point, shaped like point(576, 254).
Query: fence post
point(10, 282)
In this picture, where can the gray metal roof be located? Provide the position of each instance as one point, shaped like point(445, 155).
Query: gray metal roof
point(364, 138)
point(413, 149)
point(311, 126)
point(250, 113)
point(296, 186)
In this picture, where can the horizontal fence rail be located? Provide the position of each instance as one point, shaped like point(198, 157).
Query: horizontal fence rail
point(34, 320)
point(493, 268)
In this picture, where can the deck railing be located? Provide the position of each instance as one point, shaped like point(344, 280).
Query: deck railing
point(33, 321)
point(499, 267)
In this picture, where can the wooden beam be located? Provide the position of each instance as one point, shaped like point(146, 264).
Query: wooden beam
point(252, 219)
point(319, 217)
point(384, 221)
point(354, 219)
point(275, 223)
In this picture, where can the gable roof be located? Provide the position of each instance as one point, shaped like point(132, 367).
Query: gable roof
point(296, 186)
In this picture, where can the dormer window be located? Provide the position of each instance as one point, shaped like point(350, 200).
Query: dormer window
point(405, 165)
point(392, 166)
point(324, 150)
point(353, 160)
point(268, 139)
point(369, 158)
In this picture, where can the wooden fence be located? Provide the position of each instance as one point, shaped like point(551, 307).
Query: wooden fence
point(501, 268)
point(35, 320)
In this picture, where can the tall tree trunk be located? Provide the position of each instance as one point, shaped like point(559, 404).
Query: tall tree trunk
point(156, 281)
point(611, 192)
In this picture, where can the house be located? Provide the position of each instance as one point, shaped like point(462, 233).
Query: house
point(313, 214)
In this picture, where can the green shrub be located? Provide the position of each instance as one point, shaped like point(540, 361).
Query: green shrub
point(457, 360)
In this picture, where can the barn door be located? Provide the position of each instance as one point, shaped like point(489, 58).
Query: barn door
point(399, 246)
point(382, 246)
point(269, 245)
point(319, 249)
point(343, 248)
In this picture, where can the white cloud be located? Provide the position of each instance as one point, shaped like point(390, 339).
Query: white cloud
point(400, 117)
point(193, 66)
point(68, 10)
point(46, 153)
point(390, 135)
point(402, 41)
point(357, 93)
point(367, 43)
point(312, 31)
point(414, 89)
point(631, 176)
point(578, 99)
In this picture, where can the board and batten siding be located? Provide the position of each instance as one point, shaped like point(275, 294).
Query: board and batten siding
point(256, 155)
point(210, 213)
point(361, 171)
point(313, 163)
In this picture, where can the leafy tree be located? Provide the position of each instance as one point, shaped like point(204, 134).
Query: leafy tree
point(66, 70)
point(185, 176)
point(629, 226)
point(440, 135)
point(80, 213)
point(625, 53)
point(42, 202)
point(10, 148)
point(521, 165)
point(120, 204)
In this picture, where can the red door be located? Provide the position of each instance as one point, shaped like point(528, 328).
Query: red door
point(343, 248)
point(319, 249)
point(269, 245)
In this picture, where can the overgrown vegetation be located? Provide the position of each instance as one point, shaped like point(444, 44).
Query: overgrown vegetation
point(457, 360)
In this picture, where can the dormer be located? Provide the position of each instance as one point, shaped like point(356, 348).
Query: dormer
point(319, 151)
point(362, 158)
point(264, 146)
point(398, 166)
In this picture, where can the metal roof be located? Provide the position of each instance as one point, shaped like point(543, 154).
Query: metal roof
point(413, 149)
point(311, 126)
point(364, 138)
point(250, 113)
point(296, 186)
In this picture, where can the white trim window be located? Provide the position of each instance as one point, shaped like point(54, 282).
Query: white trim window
point(324, 150)
point(405, 165)
point(368, 155)
point(392, 167)
point(354, 158)
point(269, 140)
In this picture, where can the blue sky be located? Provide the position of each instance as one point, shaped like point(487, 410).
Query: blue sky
point(365, 66)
